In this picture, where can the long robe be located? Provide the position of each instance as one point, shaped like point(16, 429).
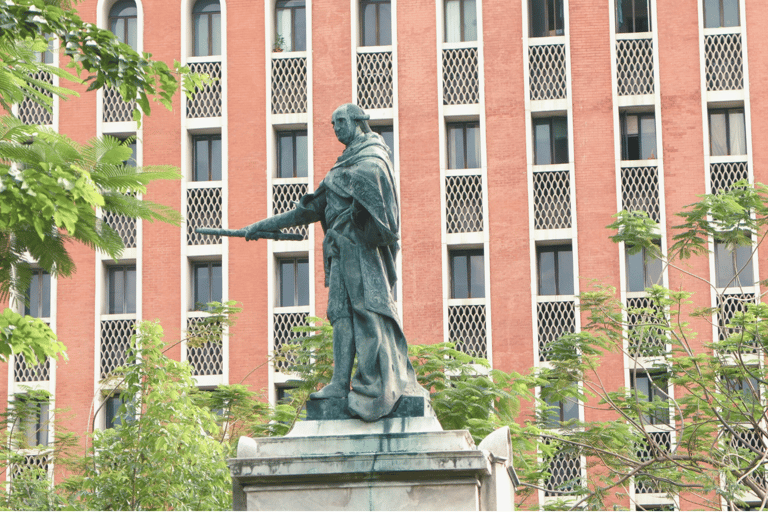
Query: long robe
point(357, 206)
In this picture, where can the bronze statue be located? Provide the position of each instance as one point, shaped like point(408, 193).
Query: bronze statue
point(358, 208)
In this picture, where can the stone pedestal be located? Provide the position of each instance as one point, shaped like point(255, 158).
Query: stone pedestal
point(392, 464)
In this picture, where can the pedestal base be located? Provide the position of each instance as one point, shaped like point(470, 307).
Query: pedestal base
point(438, 470)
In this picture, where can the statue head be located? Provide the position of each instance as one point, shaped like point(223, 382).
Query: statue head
point(349, 121)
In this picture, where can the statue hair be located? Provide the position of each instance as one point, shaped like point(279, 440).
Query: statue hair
point(357, 114)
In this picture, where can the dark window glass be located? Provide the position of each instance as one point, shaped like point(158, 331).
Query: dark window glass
point(112, 414)
point(748, 387)
point(33, 421)
point(207, 284)
point(467, 274)
point(131, 144)
point(292, 154)
point(376, 22)
point(121, 289)
point(643, 271)
point(733, 266)
point(560, 411)
point(550, 140)
point(638, 136)
point(46, 57)
point(546, 18)
point(463, 145)
point(284, 392)
point(206, 28)
point(460, 21)
point(293, 282)
point(633, 16)
point(122, 22)
point(206, 157)
point(555, 264)
point(652, 388)
point(727, 132)
point(387, 133)
point(39, 295)
point(291, 25)
point(721, 13)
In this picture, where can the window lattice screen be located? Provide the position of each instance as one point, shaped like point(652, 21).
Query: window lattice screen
point(464, 204)
point(663, 444)
point(554, 320)
point(564, 473)
point(284, 199)
point(23, 372)
point(723, 176)
point(289, 85)
point(634, 66)
point(283, 324)
point(37, 463)
point(207, 359)
point(31, 112)
point(115, 341)
point(727, 307)
point(725, 70)
point(124, 226)
point(374, 80)
point(206, 102)
point(552, 200)
point(461, 84)
point(640, 190)
point(203, 211)
point(467, 328)
point(547, 72)
point(755, 445)
point(115, 109)
point(643, 340)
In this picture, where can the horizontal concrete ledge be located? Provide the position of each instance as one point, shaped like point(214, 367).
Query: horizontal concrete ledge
point(358, 426)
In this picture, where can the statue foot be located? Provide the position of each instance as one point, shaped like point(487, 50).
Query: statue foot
point(330, 391)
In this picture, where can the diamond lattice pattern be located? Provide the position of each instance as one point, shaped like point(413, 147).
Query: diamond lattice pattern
point(206, 102)
point(460, 78)
point(564, 473)
point(727, 307)
point(662, 442)
point(203, 211)
point(552, 200)
point(31, 112)
point(755, 446)
point(466, 328)
point(289, 85)
point(124, 226)
point(33, 463)
point(643, 339)
point(23, 372)
point(723, 176)
point(725, 71)
point(554, 320)
point(634, 66)
point(374, 80)
point(464, 204)
point(115, 109)
point(207, 359)
point(547, 72)
point(284, 199)
point(283, 324)
point(640, 190)
point(115, 340)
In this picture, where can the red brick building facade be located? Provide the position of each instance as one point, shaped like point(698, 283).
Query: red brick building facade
point(517, 129)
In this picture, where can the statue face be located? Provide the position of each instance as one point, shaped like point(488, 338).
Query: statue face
point(344, 127)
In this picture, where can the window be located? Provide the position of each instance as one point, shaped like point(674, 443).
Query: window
point(721, 13)
point(39, 295)
point(463, 145)
point(643, 271)
point(727, 133)
point(633, 16)
point(376, 22)
point(293, 282)
point(206, 157)
point(112, 416)
point(46, 57)
point(638, 136)
point(560, 411)
point(733, 266)
point(546, 18)
point(387, 133)
point(747, 387)
point(467, 274)
point(284, 393)
point(555, 264)
point(121, 289)
point(33, 420)
point(291, 30)
point(292, 154)
point(651, 388)
point(206, 28)
point(550, 140)
point(122, 22)
point(460, 21)
point(207, 284)
point(131, 144)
